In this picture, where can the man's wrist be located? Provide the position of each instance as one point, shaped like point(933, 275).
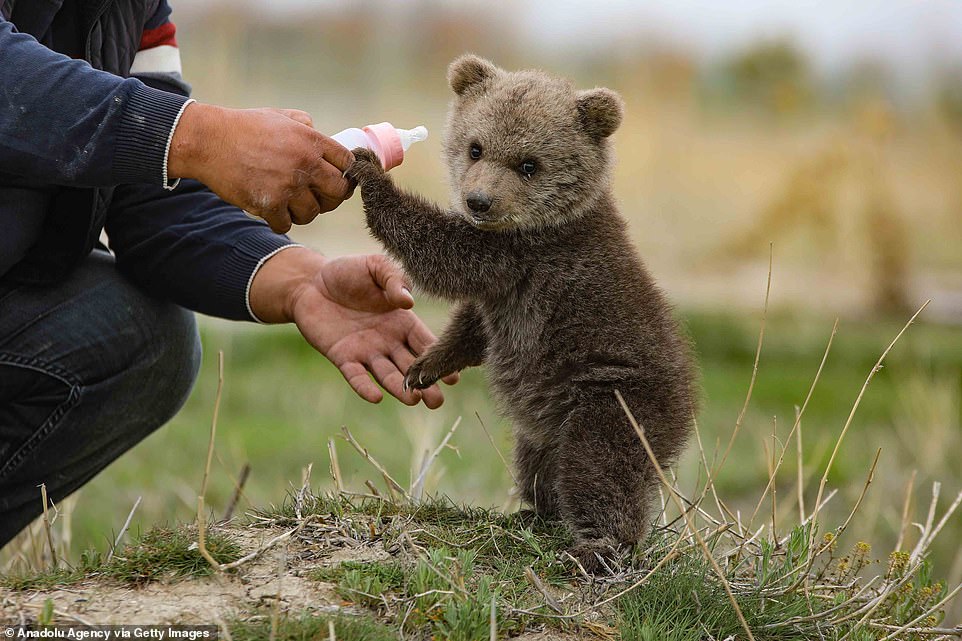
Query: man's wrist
point(190, 141)
point(278, 283)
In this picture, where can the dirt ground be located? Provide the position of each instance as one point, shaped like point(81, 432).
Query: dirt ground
point(278, 578)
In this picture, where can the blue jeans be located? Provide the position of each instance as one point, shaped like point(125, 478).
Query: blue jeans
point(88, 368)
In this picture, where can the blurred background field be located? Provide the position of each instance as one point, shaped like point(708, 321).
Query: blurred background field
point(833, 133)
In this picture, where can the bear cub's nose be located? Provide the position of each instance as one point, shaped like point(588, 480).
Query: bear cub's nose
point(478, 202)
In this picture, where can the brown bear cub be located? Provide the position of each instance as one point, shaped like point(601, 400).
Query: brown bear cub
point(553, 298)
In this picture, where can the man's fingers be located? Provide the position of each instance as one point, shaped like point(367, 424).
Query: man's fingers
point(392, 280)
point(360, 381)
point(279, 220)
point(300, 116)
point(303, 207)
point(452, 378)
point(420, 338)
point(433, 397)
point(327, 203)
point(328, 181)
point(337, 154)
point(391, 379)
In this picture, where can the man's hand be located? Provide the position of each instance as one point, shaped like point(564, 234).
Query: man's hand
point(354, 310)
point(269, 162)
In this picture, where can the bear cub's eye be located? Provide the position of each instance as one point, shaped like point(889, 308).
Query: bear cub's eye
point(528, 167)
point(475, 151)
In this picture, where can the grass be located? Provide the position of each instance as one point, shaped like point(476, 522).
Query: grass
point(449, 565)
point(282, 403)
point(161, 553)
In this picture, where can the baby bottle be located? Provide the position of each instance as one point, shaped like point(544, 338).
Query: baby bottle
point(383, 139)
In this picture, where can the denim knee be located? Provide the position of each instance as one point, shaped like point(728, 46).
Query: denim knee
point(170, 372)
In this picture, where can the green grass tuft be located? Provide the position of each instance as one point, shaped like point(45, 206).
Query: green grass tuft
point(169, 552)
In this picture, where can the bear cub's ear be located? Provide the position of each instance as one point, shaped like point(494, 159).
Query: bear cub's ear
point(600, 111)
point(469, 70)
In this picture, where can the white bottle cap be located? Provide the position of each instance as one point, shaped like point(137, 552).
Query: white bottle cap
point(411, 136)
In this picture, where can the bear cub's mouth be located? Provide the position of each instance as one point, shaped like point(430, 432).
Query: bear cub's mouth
point(488, 221)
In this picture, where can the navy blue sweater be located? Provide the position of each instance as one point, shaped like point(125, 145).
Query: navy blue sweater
point(83, 148)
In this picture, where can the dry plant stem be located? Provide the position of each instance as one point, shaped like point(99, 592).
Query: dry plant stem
point(671, 554)
point(267, 546)
point(945, 517)
point(905, 511)
point(335, 466)
point(795, 426)
point(391, 483)
point(800, 465)
point(946, 632)
point(201, 517)
point(851, 415)
point(46, 525)
point(804, 577)
point(238, 491)
point(493, 623)
point(417, 489)
point(926, 538)
point(701, 542)
point(537, 584)
point(213, 423)
point(497, 449)
point(709, 485)
point(935, 608)
point(123, 530)
point(930, 517)
point(751, 384)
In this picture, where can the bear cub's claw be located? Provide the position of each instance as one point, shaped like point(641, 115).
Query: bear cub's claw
point(420, 376)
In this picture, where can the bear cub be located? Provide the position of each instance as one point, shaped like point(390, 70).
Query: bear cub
point(552, 297)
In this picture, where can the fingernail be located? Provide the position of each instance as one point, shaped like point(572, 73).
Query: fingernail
point(407, 291)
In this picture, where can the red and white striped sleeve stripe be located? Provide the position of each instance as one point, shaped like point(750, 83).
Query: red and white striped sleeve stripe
point(158, 54)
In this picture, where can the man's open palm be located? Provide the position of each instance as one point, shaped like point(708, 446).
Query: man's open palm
point(356, 311)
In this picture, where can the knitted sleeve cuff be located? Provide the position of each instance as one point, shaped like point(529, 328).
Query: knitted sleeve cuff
point(238, 270)
point(144, 135)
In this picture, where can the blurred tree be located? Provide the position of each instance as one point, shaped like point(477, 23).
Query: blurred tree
point(809, 198)
point(948, 96)
point(774, 76)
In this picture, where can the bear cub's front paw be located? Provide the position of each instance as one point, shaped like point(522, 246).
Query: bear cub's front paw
point(423, 373)
point(366, 165)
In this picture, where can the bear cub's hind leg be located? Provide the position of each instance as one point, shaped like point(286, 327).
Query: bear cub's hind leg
point(603, 482)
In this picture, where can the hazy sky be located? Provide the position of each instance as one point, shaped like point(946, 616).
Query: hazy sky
point(909, 34)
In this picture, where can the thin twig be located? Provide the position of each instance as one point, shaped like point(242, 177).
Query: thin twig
point(391, 483)
point(537, 584)
point(417, 488)
point(238, 491)
point(201, 517)
point(46, 525)
point(123, 530)
point(758, 353)
point(905, 511)
point(796, 426)
point(497, 449)
point(335, 466)
point(858, 401)
point(708, 555)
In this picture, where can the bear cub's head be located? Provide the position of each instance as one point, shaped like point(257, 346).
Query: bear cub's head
point(525, 149)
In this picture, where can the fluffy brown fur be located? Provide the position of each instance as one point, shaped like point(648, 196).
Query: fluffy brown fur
point(553, 298)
